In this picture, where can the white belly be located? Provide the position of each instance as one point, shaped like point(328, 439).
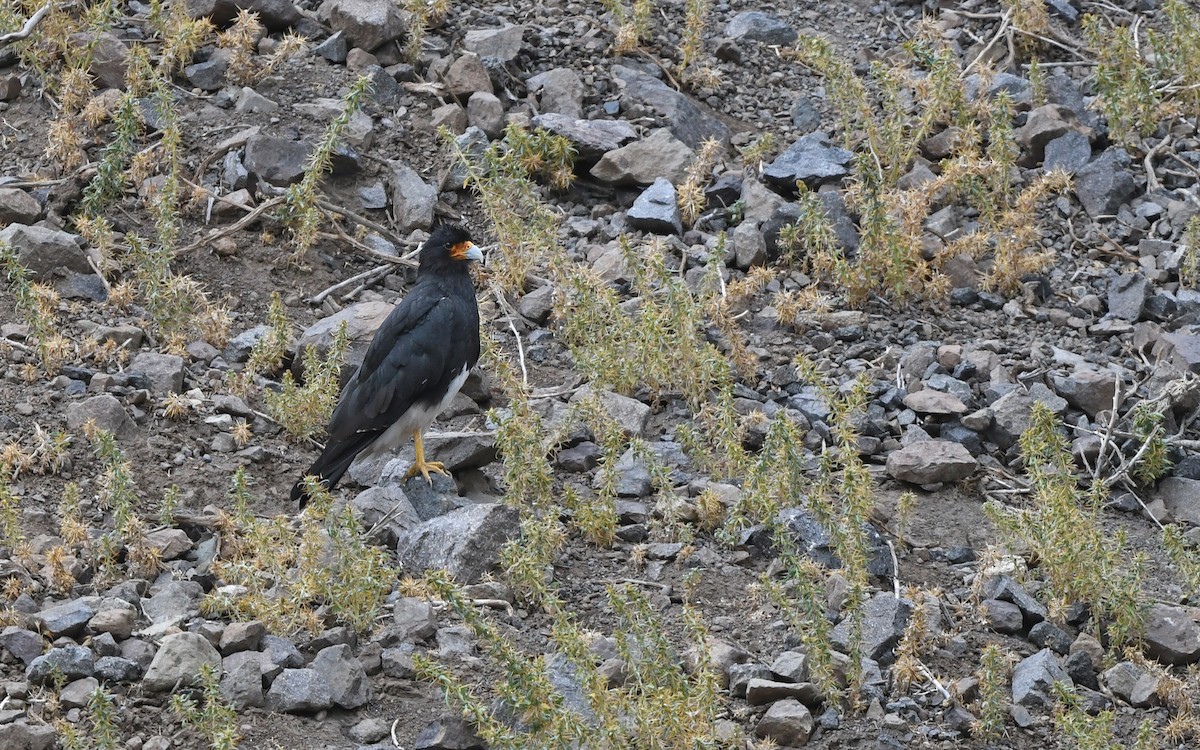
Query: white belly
point(419, 417)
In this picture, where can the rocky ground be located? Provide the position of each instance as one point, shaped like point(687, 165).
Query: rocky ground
point(952, 383)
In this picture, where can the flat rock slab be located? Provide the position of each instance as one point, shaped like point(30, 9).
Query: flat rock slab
point(810, 160)
point(178, 662)
point(1172, 634)
point(931, 462)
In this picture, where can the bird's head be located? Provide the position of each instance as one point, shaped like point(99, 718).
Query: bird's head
point(449, 250)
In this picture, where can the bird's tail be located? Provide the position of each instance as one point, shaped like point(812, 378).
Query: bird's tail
point(333, 462)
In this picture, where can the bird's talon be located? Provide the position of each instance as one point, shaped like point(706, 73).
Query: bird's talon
point(423, 468)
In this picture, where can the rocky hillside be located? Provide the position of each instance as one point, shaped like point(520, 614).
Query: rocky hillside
point(838, 386)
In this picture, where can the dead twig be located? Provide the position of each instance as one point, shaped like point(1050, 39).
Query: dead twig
point(319, 297)
point(29, 26)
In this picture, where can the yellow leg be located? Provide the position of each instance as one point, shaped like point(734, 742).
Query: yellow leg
point(421, 466)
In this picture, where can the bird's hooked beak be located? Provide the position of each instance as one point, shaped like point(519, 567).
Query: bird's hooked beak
point(467, 251)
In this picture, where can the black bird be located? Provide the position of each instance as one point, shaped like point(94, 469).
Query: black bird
point(417, 361)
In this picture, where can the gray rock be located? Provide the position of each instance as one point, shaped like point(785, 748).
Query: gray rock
point(931, 461)
point(115, 617)
point(1006, 589)
point(884, 623)
point(46, 253)
point(591, 138)
point(362, 319)
point(466, 75)
point(349, 686)
point(559, 90)
point(71, 662)
point(1182, 348)
point(472, 144)
point(1011, 416)
point(208, 75)
point(760, 27)
point(450, 116)
point(790, 666)
point(749, 246)
point(173, 602)
point(278, 161)
point(1181, 496)
point(1122, 677)
point(630, 415)
point(1044, 124)
point(78, 693)
point(24, 644)
point(117, 669)
point(1172, 635)
point(485, 112)
point(299, 691)
point(929, 401)
point(656, 209)
point(364, 23)
point(241, 636)
point(334, 48)
point(370, 730)
point(398, 662)
point(178, 661)
point(20, 735)
point(414, 619)
point(466, 542)
point(1046, 635)
point(18, 207)
point(251, 102)
point(788, 723)
point(67, 618)
point(448, 733)
point(811, 538)
point(164, 371)
point(1069, 152)
point(1087, 389)
point(660, 154)
point(740, 676)
point(500, 45)
point(537, 305)
point(105, 411)
point(276, 15)
point(242, 685)
point(1020, 90)
point(810, 160)
point(109, 58)
point(426, 501)
point(1002, 616)
point(690, 121)
point(1106, 183)
point(386, 508)
point(1127, 295)
point(413, 199)
point(760, 692)
point(1033, 679)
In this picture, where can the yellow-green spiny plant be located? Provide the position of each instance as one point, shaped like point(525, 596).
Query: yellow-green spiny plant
point(240, 40)
point(208, 713)
point(502, 178)
point(304, 410)
point(300, 211)
point(659, 704)
point(38, 304)
point(287, 575)
point(1079, 559)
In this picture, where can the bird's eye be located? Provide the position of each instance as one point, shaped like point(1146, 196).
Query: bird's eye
point(459, 250)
